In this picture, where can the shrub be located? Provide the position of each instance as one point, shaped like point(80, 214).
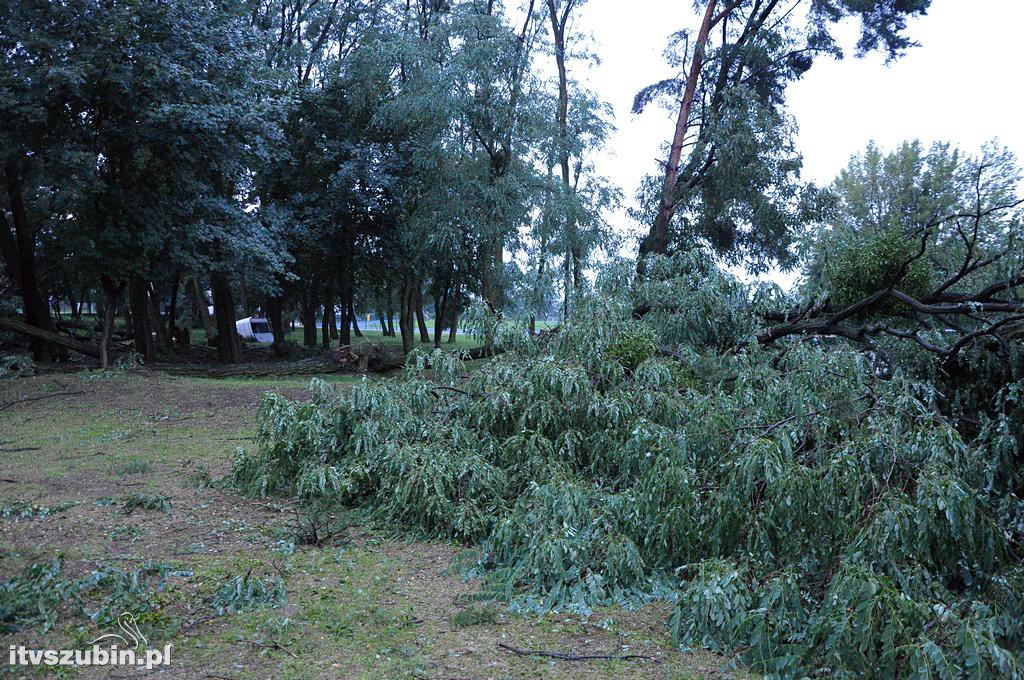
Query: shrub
point(17, 366)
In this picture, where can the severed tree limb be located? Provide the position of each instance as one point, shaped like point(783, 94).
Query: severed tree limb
point(19, 326)
point(564, 656)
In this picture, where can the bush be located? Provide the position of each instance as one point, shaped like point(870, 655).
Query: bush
point(34, 596)
point(17, 366)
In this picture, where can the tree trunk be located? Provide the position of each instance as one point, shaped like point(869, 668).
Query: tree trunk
point(163, 338)
point(454, 328)
point(228, 349)
point(111, 292)
point(308, 321)
point(440, 310)
point(390, 311)
point(274, 311)
point(407, 300)
point(77, 303)
point(492, 259)
point(325, 325)
point(421, 320)
point(657, 240)
point(573, 250)
point(172, 316)
point(65, 341)
point(19, 253)
point(203, 305)
point(352, 315)
point(138, 304)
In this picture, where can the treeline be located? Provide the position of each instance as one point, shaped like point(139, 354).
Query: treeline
point(307, 158)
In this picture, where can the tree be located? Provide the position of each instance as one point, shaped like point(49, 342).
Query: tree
point(580, 129)
point(160, 117)
point(737, 186)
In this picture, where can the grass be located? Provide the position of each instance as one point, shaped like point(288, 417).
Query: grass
point(364, 605)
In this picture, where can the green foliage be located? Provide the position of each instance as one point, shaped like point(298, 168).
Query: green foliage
point(248, 592)
point(17, 366)
point(124, 532)
point(135, 467)
point(31, 597)
point(863, 266)
point(145, 501)
point(26, 510)
point(804, 512)
point(199, 478)
point(475, 616)
point(634, 347)
point(34, 596)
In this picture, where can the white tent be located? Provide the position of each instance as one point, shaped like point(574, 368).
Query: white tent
point(253, 328)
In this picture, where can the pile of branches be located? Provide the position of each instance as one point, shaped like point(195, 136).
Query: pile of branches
point(806, 513)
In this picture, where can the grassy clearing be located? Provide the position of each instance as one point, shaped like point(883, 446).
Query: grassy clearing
point(117, 478)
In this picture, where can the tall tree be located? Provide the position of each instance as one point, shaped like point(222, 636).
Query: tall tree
point(731, 164)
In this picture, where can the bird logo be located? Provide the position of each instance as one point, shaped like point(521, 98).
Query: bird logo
point(130, 627)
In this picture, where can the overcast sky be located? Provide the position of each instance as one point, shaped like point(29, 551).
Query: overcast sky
point(963, 85)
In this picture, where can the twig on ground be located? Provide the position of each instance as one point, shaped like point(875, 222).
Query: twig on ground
point(271, 645)
point(9, 404)
point(564, 656)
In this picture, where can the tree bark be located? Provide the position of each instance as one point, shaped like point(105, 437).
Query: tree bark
point(172, 316)
point(51, 337)
point(138, 305)
point(407, 299)
point(228, 349)
point(657, 240)
point(452, 332)
point(573, 247)
point(421, 320)
point(326, 321)
point(156, 321)
point(390, 311)
point(345, 284)
point(203, 305)
point(19, 253)
point(111, 292)
point(275, 305)
point(352, 315)
point(308, 321)
point(440, 313)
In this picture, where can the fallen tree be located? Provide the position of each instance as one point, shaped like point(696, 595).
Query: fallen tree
point(804, 511)
point(19, 326)
point(968, 288)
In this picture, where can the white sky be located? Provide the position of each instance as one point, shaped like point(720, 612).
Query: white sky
point(963, 85)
